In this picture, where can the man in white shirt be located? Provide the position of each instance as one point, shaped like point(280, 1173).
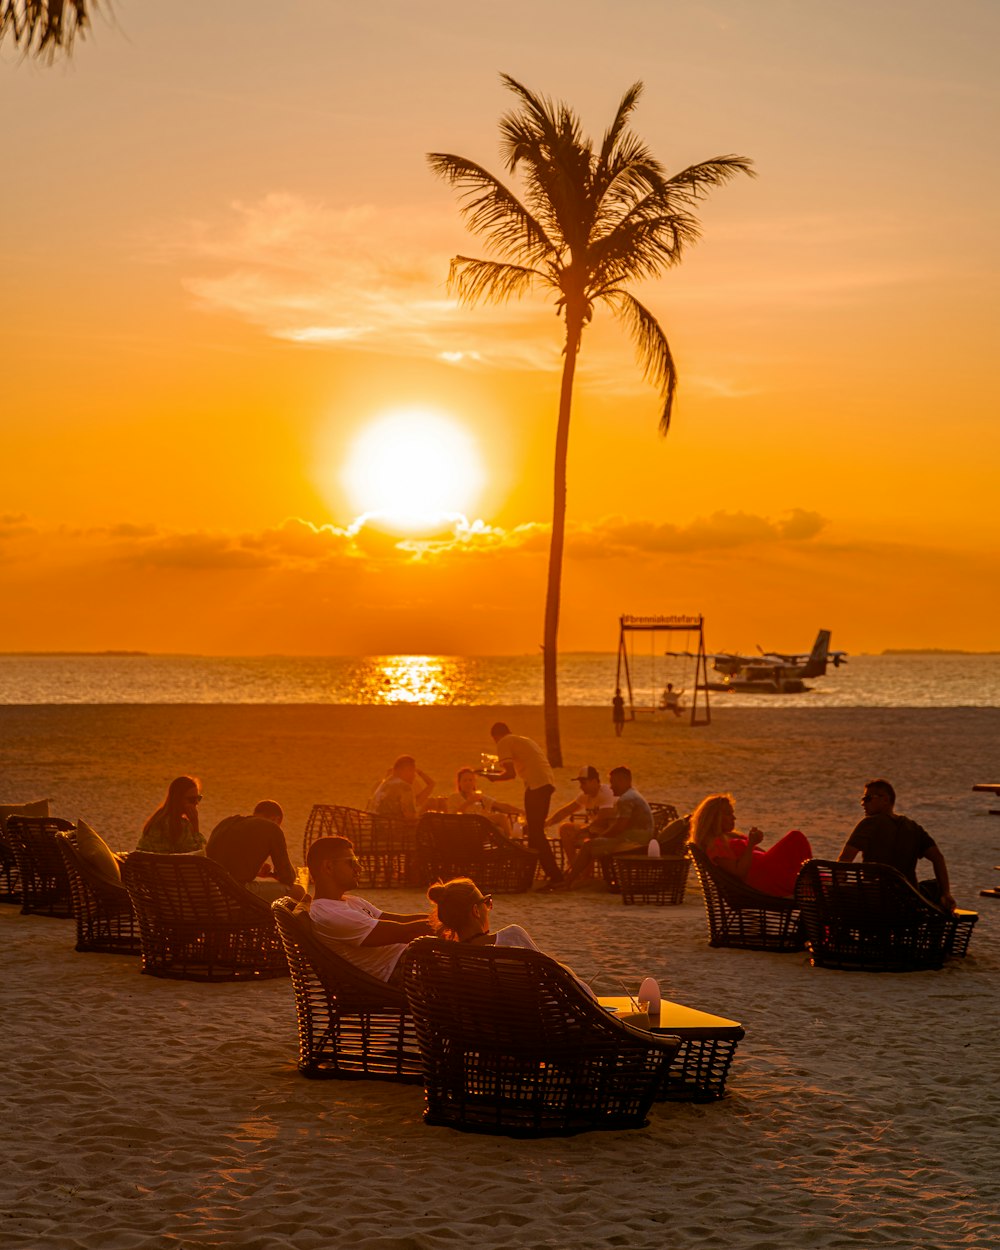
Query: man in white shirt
point(521, 757)
point(595, 799)
point(356, 929)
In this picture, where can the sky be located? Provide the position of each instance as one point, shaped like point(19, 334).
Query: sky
point(228, 351)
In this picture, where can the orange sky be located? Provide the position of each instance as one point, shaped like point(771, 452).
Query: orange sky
point(224, 257)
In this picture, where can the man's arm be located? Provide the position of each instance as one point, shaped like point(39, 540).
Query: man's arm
point(392, 932)
point(425, 793)
point(572, 806)
point(941, 873)
point(849, 852)
point(506, 772)
point(404, 917)
point(283, 869)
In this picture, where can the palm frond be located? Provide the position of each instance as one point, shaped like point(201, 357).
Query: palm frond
point(614, 132)
point(652, 348)
point(473, 280)
point(696, 181)
point(491, 209)
point(43, 27)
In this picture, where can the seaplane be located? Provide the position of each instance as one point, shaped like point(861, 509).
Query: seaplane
point(773, 672)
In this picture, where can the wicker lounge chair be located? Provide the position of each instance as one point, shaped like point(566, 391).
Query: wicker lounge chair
point(105, 921)
point(385, 847)
point(664, 814)
point(512, 1044)
point(351, 1025)
point(197, 923)
point(472, 846)
point(45, 888)
point(743, 917)
point(644, 878)
point(868, 917)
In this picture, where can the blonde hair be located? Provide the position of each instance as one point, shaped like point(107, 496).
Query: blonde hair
point(706, 822)
point(452, 903)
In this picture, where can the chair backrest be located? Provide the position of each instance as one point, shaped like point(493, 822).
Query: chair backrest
point(45, 885)
point(472, 846)
point(663, 814)
point(331, 820)
point(189, 889)
point(344, 981)
point(863, 892)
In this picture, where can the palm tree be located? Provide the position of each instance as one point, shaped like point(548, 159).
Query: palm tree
point(588, 222)
point(44, 26)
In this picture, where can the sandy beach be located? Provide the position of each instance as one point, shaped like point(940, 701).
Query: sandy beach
point(862, 1108)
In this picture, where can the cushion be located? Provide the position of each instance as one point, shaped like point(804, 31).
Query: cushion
point(92, 848)
point(40, 808)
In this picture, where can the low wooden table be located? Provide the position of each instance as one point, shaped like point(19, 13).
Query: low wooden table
point(708, 1045)
point(656, 879)
point(989, 787)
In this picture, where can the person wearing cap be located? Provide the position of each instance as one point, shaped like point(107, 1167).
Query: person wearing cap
point(630, 827)
point(596, 799)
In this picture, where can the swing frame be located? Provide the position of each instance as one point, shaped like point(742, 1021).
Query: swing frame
point(629, 625)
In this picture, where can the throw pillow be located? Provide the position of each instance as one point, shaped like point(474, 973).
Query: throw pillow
point(97, 853)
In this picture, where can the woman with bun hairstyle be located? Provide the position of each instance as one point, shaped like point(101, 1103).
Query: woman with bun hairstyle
point(461, 913)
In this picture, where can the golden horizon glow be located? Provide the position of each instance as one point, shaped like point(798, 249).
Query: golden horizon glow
point(413, 469)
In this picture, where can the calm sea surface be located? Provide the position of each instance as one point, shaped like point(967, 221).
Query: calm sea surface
point(586, 679)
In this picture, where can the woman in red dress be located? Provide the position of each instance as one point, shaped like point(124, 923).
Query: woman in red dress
point(713, 830)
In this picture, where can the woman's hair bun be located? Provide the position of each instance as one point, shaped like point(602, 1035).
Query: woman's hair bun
point(437, 892)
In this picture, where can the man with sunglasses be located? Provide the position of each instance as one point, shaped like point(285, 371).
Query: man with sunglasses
point(357, 930)
point(885, 836)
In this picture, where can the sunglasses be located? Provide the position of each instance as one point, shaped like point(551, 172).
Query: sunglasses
point(194, 798)
point(485, 901)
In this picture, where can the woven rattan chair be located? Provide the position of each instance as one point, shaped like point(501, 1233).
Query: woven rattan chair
point(385, 847)
point(105, 921)
point(45, 888)
point(658, 879)
point(867, 917)
point(664, 814)
point(197, 923)
point(472, 846)
point(513, 1044)
point(743, 917)
point(351, 1025)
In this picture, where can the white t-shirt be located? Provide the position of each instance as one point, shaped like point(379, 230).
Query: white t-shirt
point(605, 797)
point(528, 759)
point(343, 924)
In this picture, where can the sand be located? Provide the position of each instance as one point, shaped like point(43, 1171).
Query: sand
point(146, 1113)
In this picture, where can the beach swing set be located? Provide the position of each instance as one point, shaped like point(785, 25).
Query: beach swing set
point(632, 665)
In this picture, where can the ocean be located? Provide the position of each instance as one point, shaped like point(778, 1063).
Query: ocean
point(586, 679)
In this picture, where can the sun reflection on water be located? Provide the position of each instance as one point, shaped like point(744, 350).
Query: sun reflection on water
point(421, 679)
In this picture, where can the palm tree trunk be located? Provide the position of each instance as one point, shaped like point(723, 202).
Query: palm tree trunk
point(550, 647)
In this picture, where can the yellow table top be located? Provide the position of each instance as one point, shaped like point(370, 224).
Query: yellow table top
point(675, 1018)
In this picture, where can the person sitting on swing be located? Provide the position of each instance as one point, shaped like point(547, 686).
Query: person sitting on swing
point(670, 700)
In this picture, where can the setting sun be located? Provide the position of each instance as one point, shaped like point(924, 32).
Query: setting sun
point(413, 468)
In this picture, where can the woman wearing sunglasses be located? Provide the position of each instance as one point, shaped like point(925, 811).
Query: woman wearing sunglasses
point(173, 827)
point(461, 913)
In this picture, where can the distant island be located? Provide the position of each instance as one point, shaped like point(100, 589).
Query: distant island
point(64, 654)
point(934, 651)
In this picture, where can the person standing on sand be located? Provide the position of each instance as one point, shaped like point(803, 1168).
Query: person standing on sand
point(355, 929)
point(883, 837)
point(521, 757)
point(244, 844)
point(618, 712)
point(397, 796)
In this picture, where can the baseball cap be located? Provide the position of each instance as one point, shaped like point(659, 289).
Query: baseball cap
point(588, 773)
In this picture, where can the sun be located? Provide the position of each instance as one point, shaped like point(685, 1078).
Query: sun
point(413, 468)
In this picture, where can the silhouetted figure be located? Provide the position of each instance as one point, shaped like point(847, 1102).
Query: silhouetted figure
point(618, 713)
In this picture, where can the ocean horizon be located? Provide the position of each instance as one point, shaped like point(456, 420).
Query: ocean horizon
point(896, 678)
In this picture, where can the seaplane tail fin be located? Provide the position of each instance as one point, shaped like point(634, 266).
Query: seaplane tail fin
point(816, 664)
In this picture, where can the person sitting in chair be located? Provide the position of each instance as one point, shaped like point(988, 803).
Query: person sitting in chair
point(885, 837)
point(468, 800)
point(355, 929)
point(244, 845)
point(397, 795)
point(629, 826)
point(774, 871)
